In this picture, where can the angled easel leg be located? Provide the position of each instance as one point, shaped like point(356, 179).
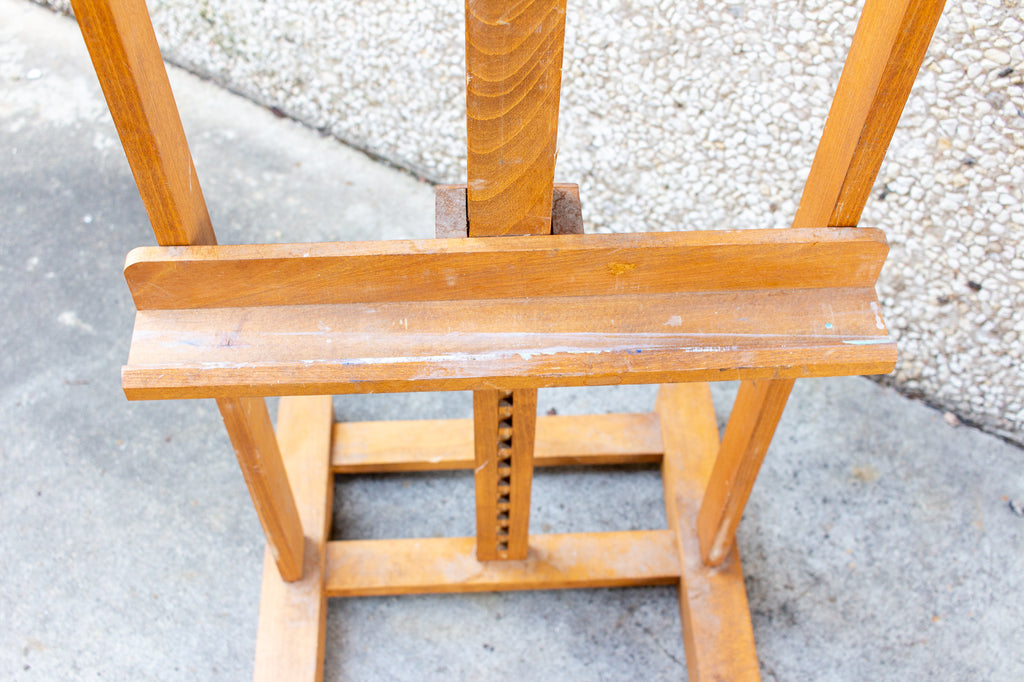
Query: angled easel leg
point(293, 615)
point(252, 435)
point(755, 414)
point(717, 632)
point(125, 54)
point(124, 51)
point(887, 51)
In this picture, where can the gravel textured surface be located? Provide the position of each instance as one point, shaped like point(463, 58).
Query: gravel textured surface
point(697, 116)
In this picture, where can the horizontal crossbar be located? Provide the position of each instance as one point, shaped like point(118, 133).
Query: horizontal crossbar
point(436, 445)
point(574, 560)
point(162, 278)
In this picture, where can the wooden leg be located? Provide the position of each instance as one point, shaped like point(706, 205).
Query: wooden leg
point(293, 616)
point(123, 47)
point(717, 632)
point(504, 425)
point(252, 436)
point(755, 414)
point(888, 48)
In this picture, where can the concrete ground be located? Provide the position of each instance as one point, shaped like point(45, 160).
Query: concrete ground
point(880, 541)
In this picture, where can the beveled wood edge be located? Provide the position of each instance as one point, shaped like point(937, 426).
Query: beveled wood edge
point(546, 266)
point(449, 565)
point(137, 382)
point(528, 243)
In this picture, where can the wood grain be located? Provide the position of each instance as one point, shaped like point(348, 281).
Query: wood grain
point(717, 631)
point(576, 560)
point(513, 267)
point(513, 81)
point(125, 54)
point(519, 343)
point(569, 440)
point(485, 475)
point(504, 428)
point(888, 48)
point(292, 620)
point(252, 436)
point(755, 414)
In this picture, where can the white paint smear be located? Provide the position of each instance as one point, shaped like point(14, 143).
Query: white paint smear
point(69, 318)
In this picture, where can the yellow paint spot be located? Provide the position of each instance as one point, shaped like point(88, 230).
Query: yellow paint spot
point(867, 474)
point(620, 268)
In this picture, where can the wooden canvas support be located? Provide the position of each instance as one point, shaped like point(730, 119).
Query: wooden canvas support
point(513, 82)
point(747, 305)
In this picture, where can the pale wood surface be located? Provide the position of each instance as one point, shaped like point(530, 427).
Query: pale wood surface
point(504, 427)
point(887, 51)
point(451, 221)
point(513, 267)
point(755, 414)
point(717, 630)
point(292, 620)
point(435, 445)
point(127, 60)
point(513, 81)
point(521, 343)
point(256, 447)
point(577, 560)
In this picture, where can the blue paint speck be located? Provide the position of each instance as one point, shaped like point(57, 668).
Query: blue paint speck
point(828, 325)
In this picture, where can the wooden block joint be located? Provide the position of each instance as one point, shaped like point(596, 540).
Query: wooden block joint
point(451, 219)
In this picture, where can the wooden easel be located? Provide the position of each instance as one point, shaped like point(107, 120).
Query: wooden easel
point(503, 317)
